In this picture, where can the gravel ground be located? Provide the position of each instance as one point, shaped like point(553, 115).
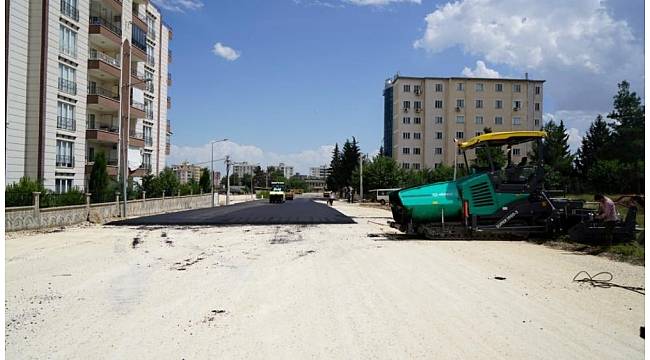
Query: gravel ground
point(317, 291)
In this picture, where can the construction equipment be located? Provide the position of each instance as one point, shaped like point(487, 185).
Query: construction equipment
point(288, 195)
point(491, 203)
point(277, 195)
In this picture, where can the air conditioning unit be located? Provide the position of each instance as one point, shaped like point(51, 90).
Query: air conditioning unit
point(417, 110)
point(515, 108)
point(418, 92)
point(406, 109)
point(457, 108)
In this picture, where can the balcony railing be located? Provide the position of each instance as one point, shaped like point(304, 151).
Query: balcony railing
point(67, 50)
point(169, 78)
point(66, 123)
point(101, 127)
point(148, 86)
point(148, 114)
point(94, 90)
point(151, 32)
point(96, 20)
point(148, 141)
point(95, 54)
point(151, 61)
point(169, 126)
point(69, 10)
point(66, 161)
point(110, 161)
point(169, 56)
point(136, 134)
point(68, 86)
point(169, 102)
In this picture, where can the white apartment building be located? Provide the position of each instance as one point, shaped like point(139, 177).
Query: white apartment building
point(84, 77)
point(319, 172)
point(186, 172)
point(286, 169)
point(243, 168)
point(424, 115)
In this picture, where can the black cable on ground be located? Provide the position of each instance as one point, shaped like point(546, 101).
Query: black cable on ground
point(605, 282)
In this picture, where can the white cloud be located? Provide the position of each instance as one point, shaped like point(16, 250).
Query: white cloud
point(577, 46)
point(179, 5)
point(225, 52)
point(481, 71)
point(301, 161)
point(380, 2)
point(576, 122)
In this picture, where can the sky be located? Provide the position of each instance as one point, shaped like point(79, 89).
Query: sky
point(285, 80)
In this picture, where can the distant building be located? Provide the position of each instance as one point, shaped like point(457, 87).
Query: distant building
point(286, 169)
point(319, 172)
point(243, 168)
point(186, 171)
point(316, 183)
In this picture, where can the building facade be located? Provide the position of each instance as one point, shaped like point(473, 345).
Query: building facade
point(186, 172)
point(319, 172)
point(287, 170)
point(85, 77)
point(243, 168)
point(424, 116)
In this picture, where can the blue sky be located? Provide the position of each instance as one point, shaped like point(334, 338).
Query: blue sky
point(295, 76)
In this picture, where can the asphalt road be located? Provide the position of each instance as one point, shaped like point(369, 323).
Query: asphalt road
point(260, 212)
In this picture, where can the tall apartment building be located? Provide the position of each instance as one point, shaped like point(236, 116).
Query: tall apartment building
point(319, 172)
point(287, 170)
point(243, 168)
point(423, 116)
point(186, 172)
point(84, 77)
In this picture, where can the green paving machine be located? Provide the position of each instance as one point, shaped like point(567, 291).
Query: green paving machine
point(490, 203)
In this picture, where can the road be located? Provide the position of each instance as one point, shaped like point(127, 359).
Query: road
point(329, 291)
point(261, 212)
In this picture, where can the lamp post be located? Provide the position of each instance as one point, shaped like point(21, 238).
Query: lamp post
point(227, 180)
point(212, 166)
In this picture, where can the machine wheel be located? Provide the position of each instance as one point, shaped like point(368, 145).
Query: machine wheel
point(382, 202)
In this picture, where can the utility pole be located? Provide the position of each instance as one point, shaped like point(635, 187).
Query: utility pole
point(227, 180)
point(361, 178)
point(212, 166)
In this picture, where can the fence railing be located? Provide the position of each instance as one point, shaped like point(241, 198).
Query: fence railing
point(66, 161)
point(95, 54)
point(151, 61)
point(148, 141)
point(95, 90)
point(68, 86)
point(96, 20)
point(69, 10)
point(66, 123)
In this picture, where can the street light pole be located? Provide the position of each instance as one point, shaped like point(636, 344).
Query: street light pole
point(361, 178)
point(212, 167)
point(227, 180)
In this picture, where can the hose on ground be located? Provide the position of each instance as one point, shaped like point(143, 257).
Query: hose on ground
point(603, 280)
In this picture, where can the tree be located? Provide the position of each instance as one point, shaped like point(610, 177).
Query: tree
point(556, 155)
point(98, 184)
point(259, 177)
point(167, 182)
point(204, 181)
point(297, 183)
point(484, 154)
point(349, 161)
point(334, 178)
point(381, 173)
point(596, 146)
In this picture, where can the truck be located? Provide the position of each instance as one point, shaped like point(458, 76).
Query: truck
point(277, 195)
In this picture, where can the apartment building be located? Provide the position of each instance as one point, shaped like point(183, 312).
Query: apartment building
point(319, 172)
point(186, 172)
point(84, 77)
point(424, 115)
point(287, 170)
point(243, 168)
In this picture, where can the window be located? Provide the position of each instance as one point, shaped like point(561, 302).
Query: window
point(460, 135)
point(516, 104)
point(516, 151)
point(417, 120)
point(405, 165)
point(148, 109)
point(63, 185)
point(406, 136)
point(460, 103)
point(64, 151)
point(438, 87)
point(151, 58)
point(537, 106)
point(146, 161)
point(67, 79)
point(460, 119)
point(479, 87)
point(148, 75)
point(406, 120)
point(69, 9)
point(138, 37)
point(65, 116)
point(437, 165)
point(516, 120)
point(438, 104)
point(416, 89)
point(417, 135)
point(498, 87)
point(406, 151)
point(478, 133)
point(416, 151)
point(407, 88)
point(460, 86)
point(479, 104)
point(417, 105)
point(461, 165)
point(151, 25)
point(438, 120)
point(538, 90)
point(68, 41)
point(459, 152)
point(407, 104)
point(536, 122)
point(516, 88)
point(479, 120)
point(148, 139)
point(416, 166)
point(498, 104)
point(498, 120)
point(437, 151)
point(438, 135)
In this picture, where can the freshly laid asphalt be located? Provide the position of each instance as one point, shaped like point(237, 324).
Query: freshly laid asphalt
point(260, 212)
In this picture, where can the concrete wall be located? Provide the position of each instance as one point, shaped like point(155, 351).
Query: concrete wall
point(29, 217)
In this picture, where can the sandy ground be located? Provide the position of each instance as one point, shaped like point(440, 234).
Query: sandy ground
point(295, 292)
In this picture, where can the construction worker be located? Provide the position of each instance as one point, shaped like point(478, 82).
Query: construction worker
point(607, 214)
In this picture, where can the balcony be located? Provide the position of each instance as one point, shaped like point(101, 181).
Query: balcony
point(69, 10)
point(103, 134)
point(67, 86)
point(169, 79)
point(111, 167)
point(169, 102)
point(169, 127)
point(140, 21)
point(148, 86)
point(136, 138)
point(65, 161)
point(103, 99)
point(102, 65)
point(169, 56)
point(137, 111)
point(68, 124)
point(107, 32)
point(138, 42)
point(137, 78)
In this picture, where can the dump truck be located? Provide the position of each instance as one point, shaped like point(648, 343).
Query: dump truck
point(277, 195)
point(492, 203)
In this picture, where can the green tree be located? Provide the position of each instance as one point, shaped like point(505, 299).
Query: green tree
point(204, 181)
point(168, 182)
point(485, 154)
point(556, 156)
point(259, 178)
point(21, 193)
point(297, 183)
point(98, 184)
point(334, 181)
point(349, 161)
point(381, 173)
point(595, 146)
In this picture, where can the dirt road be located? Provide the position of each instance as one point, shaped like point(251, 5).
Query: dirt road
point(319, 291)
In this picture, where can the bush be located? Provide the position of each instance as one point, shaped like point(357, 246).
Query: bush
point(262, 194)
point(20, 193)
point(72, 197)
